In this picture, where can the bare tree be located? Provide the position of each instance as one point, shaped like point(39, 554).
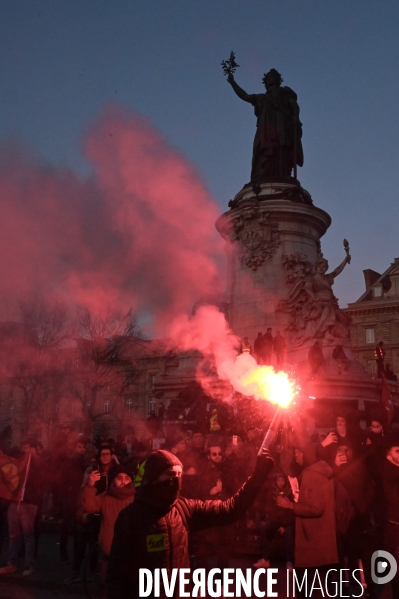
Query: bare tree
point(31, 363)
point(45, 323)
point(54, 361)
point(105, 362)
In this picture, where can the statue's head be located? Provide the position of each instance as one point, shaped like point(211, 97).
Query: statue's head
point(272, 79)
point(322, 265)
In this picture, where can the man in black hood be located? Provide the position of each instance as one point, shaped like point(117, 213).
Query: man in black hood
point(152, 532)
point(162, 480)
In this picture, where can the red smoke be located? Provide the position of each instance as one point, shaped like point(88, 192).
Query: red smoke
point(139, 234)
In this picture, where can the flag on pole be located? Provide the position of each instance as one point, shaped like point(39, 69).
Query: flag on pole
point(12, 476)
point(386, 400)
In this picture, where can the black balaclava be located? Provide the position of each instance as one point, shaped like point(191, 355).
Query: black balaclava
point(163, 495)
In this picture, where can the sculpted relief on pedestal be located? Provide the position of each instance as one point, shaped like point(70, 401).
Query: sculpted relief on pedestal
point(258, 236)
point(311, 303)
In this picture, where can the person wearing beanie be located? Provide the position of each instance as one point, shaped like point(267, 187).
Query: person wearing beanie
point(152, 532)
point(119, 495)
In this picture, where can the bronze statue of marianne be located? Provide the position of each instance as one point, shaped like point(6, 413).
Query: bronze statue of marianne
point(277, 145)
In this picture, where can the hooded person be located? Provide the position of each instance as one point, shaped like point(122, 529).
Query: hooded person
point(162, 480)
point(315, 523)
point(109, 504)
point(152, 532)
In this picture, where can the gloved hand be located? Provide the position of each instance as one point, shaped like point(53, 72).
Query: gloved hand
point(264, 464)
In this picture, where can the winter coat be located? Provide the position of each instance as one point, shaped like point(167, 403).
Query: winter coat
point(375, 456)
point(106, 479)
point(70, 480)
point(356, 480)
point(109, 505)
point(315, 527)
point(209, 476)
point(390, 479)
point(144, 538)
point(107, 476)
point(280, 515)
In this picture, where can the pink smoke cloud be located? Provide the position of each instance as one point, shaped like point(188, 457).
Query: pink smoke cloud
point(140, 233)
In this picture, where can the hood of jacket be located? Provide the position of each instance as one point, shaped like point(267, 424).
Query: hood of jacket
point(321, 467)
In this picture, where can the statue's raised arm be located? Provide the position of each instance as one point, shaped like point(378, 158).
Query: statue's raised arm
point(239, 91)
point(337, 271)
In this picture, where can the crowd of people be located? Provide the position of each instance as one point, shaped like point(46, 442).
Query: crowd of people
point(323, 500)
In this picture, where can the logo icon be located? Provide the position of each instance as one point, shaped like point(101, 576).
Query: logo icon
point(380, 572)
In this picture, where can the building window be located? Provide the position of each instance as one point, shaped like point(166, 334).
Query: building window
point(377, 291)
point(152, 404)
point(397, 286)
point(11, 410)
point(370, 336)
point(107, 406)
point(129, 405)
point(372, 367)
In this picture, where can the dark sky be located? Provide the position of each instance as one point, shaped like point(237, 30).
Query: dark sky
point(61, 61)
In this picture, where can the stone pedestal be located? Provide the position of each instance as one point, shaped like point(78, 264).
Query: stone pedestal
point(273, 234)
point(260, 231)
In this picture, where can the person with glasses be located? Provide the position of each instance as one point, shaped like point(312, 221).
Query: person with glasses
point(217, 478)
point(152, 532)
point(87, 526)
point(107, 468)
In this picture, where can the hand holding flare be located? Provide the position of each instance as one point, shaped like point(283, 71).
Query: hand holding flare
point(282, 394)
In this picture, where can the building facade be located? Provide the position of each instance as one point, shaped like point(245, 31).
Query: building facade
point(375, 318)
point(74, 388)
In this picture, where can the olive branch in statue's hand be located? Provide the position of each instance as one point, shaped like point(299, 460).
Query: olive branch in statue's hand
point(229, 66)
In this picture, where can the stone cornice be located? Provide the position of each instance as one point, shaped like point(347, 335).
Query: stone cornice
point(358, 310)
point(391, 346)
point(280, 211)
